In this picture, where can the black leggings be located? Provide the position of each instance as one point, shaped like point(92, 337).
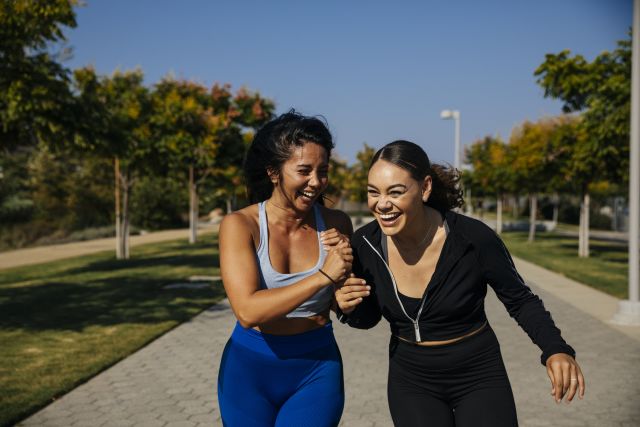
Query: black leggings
point(463, 384)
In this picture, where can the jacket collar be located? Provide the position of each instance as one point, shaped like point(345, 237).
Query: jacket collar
point(456, 244)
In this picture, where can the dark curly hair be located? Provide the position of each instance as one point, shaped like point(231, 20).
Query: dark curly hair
point(445, 194)
point(272, 146)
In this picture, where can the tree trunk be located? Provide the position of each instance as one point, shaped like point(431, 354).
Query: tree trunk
point(499, 214)
point(556, 208)
point(514, 208)
point(532, 217)
point(125, 216)
point(193, 207)
point(583, 243)
point(229, 205)
point(469, 204)
point(119, 253)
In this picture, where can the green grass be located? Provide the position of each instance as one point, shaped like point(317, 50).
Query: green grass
point(65, 321)
point(606, 268)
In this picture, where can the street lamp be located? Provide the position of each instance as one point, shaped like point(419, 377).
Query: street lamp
point(455, 115)
point(629, 310)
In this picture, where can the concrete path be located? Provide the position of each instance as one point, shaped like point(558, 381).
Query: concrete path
point(42, 254)
point(172, 381)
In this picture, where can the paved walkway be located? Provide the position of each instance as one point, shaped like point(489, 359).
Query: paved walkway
point(171, 382)
point(41, 254)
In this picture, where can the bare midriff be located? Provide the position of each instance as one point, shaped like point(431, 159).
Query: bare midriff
point(294, 325)
point(443, 342)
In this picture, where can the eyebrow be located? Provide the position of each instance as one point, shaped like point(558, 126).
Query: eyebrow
point(404, 187)
point(306, 165)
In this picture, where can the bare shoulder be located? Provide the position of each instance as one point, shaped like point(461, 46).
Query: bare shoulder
point(241, 223)
point(337, 219)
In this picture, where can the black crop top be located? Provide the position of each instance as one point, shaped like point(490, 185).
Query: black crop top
point(453, 304)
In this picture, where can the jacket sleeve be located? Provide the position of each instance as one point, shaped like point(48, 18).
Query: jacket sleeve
point(367, 314)
point(522, 304)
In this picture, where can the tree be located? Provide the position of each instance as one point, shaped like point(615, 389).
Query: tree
point(201, 132)
point(116, 124)
point(338, 177)
point(357, 185)
point(534, 160)
point(601, 91)
point(35, 100)
point(489, 159)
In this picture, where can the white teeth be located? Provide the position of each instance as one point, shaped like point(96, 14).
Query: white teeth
point(308, 194)
point(389, 216)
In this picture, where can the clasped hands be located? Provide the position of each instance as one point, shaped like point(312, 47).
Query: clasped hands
point(350, 289)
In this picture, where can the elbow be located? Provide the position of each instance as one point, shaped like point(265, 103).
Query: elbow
point(246, 319)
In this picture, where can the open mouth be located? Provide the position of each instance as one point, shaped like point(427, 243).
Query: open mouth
point(307, 195)
point(388, 219)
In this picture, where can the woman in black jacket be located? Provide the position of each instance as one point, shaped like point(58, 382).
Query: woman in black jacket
point(425, 269)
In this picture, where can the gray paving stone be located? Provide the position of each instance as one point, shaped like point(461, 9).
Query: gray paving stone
point(172, 381)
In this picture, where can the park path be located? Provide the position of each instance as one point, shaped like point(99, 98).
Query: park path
point(172, 381)
point(42, 254)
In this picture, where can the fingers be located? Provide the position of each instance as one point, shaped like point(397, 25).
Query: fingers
point(581, 383)
point(351, 293)
point(552, 380)
point(559, 383)
point(566, 377)
point(332, 238)
point(573, 383)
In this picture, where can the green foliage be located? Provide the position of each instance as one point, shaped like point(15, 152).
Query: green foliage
point(492, 172)
point(601, 91)
point(356, 186)
point(537, 154)
point(158, 203)
point(70, 192)
point(34, 87)
point(339, 175)
point(116, 117)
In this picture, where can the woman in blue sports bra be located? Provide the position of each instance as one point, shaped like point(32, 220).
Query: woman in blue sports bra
point(279, 259)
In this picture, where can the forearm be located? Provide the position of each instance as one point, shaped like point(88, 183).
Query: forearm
point(265, 305)
point(539, 325)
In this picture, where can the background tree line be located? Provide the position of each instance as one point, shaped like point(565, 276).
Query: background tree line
point(83, 151)
point(581, 153)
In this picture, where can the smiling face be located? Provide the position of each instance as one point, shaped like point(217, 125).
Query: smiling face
point(303, 177)
point(395, 198)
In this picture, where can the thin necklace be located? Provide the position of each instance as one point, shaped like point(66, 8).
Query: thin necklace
point(426, 236)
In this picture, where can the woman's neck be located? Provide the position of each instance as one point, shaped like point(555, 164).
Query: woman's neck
point(280, 212)
point(421, 233)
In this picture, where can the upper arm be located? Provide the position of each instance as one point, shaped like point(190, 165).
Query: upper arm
point(501, 274)
point(238, 264)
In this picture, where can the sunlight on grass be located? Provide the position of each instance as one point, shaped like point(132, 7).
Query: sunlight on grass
point(65, 321)
point(606, 268)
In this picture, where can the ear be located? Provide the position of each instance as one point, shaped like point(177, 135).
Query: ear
point(426, 188)
point(273, 175)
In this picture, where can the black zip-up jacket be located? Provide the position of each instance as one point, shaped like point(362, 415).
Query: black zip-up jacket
point(453, 304)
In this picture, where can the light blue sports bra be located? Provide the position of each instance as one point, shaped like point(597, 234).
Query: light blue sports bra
point(270, 278)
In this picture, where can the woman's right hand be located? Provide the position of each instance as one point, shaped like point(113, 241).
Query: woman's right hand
point(337, 264)
point(351, 293)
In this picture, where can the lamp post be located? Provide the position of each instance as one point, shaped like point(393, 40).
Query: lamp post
point(629, 310)
point(455, 115)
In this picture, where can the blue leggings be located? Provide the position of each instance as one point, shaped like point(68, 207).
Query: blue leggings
point(274, 380)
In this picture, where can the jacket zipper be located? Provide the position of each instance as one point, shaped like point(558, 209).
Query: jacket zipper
point(416, 326)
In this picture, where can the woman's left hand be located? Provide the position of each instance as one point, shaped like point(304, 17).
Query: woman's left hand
point(332, 237)
point(566, 377)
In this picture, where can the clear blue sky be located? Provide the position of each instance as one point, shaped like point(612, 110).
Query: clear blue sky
point(376, 70)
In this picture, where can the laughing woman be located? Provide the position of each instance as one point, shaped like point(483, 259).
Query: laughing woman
point(425, 269)
point(281, 366)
